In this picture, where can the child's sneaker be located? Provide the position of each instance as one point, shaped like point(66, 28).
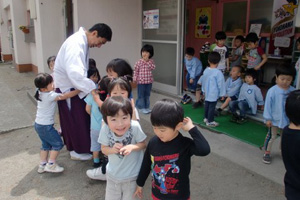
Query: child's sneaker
point(267, 159)
point(184, 98)
point(188, 100)
point(96, 174)
point(54, 168)
point(41, 168)
point(212, 124)
point(241, 120)
point(205, 120)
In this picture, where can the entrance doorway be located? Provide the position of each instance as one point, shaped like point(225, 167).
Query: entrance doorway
point(167, 42)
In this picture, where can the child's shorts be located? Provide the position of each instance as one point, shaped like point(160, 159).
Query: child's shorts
point(198, 87)
point(51, 140)
point(95, 145)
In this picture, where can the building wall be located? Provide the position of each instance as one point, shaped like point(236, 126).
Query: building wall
point(124, 18)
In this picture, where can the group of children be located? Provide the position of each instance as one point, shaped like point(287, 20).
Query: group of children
point(117, 139)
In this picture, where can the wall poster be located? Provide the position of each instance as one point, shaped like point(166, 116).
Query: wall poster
point(203, 22)
point(151, 19)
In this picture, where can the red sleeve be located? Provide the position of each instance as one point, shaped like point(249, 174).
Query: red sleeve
point(260, 51)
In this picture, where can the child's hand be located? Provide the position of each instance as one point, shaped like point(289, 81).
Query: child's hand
point(138, 192)
point(256, 68)
point(261, 107)
point(191, 81)
point(116, 148)
point(187, 124)
point(269, 124)
point(126, 150)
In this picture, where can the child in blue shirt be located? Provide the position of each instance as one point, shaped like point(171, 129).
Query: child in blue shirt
point(213, 87)
point(232, 86)
point(250, 96)
point(274, 112)
point(194, 68)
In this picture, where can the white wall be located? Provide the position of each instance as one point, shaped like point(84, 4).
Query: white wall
point(124, 18)
point(50, 30)
point(5, 48)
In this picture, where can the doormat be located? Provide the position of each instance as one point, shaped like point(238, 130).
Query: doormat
point(251, 132)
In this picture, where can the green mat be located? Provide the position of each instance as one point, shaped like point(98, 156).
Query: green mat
point(251, 132)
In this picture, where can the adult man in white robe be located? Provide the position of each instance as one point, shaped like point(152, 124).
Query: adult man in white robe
point(70, 71)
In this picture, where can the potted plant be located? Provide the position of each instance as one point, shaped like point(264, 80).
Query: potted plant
point(24, 29)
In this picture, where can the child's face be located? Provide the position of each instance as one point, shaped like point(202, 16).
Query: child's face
point(94, 78)
point(249, 80)
point(51, 65)
point(145, 55)
point(111, 74)
point(119, 123)
point(252, 45)
point(235, 73)
point(237, 43)
point(165, 134)
point(220, 42)
point(118, 91)
point(284, 81)
point(188, 57)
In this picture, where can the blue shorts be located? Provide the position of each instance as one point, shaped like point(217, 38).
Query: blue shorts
point(51, 140)
point(95, 145)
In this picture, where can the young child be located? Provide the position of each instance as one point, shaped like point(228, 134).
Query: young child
point(232, 87)
point(144, 79)
point(256, 56)
point(123, 140)
point(297, 66)
point(250, 96)
point(290, 147)
point(213, 86)
point(194, 68)
point(274, 113)
point(44, 121)
point(237, 52)
point(96, 117)
point(50, 63)
point(122, 87)
point(222, 49)
point(168, 154)
point(118, 67)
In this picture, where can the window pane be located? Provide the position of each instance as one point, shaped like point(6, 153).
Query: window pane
point(261, 13)
point(167, 20)
point(234, 16)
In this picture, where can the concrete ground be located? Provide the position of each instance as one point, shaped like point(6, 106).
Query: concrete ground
point(232, 171)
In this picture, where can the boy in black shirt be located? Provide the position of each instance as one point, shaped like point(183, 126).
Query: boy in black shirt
point(168, 154)
point(290, 147)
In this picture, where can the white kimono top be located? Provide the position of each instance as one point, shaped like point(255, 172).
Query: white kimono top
point(71, 65)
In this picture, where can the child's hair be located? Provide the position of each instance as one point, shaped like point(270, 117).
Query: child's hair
point(214, 57)
point(220, 35)
point(103, 87)
point(119, 66)
point(240, 37)
point(190, 51)
point(167, 112)
point(42, 80)
point(251, 72)
point(292, 107)
point(113, 105)
point(122, 82)
point(285, 69)
point(92, 71)
point(252, 37)
point(241, 69)
point(51, 58)
point(148, 48)
point(92, 63)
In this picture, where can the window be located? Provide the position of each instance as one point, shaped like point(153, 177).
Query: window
point(234, 16)
point(261, 13)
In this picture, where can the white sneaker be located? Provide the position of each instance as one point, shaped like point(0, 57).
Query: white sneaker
point(205, 120)
point(41, 168)
point(54, 168)
point(82, 156)
point(96, 174)
point(212, 124)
